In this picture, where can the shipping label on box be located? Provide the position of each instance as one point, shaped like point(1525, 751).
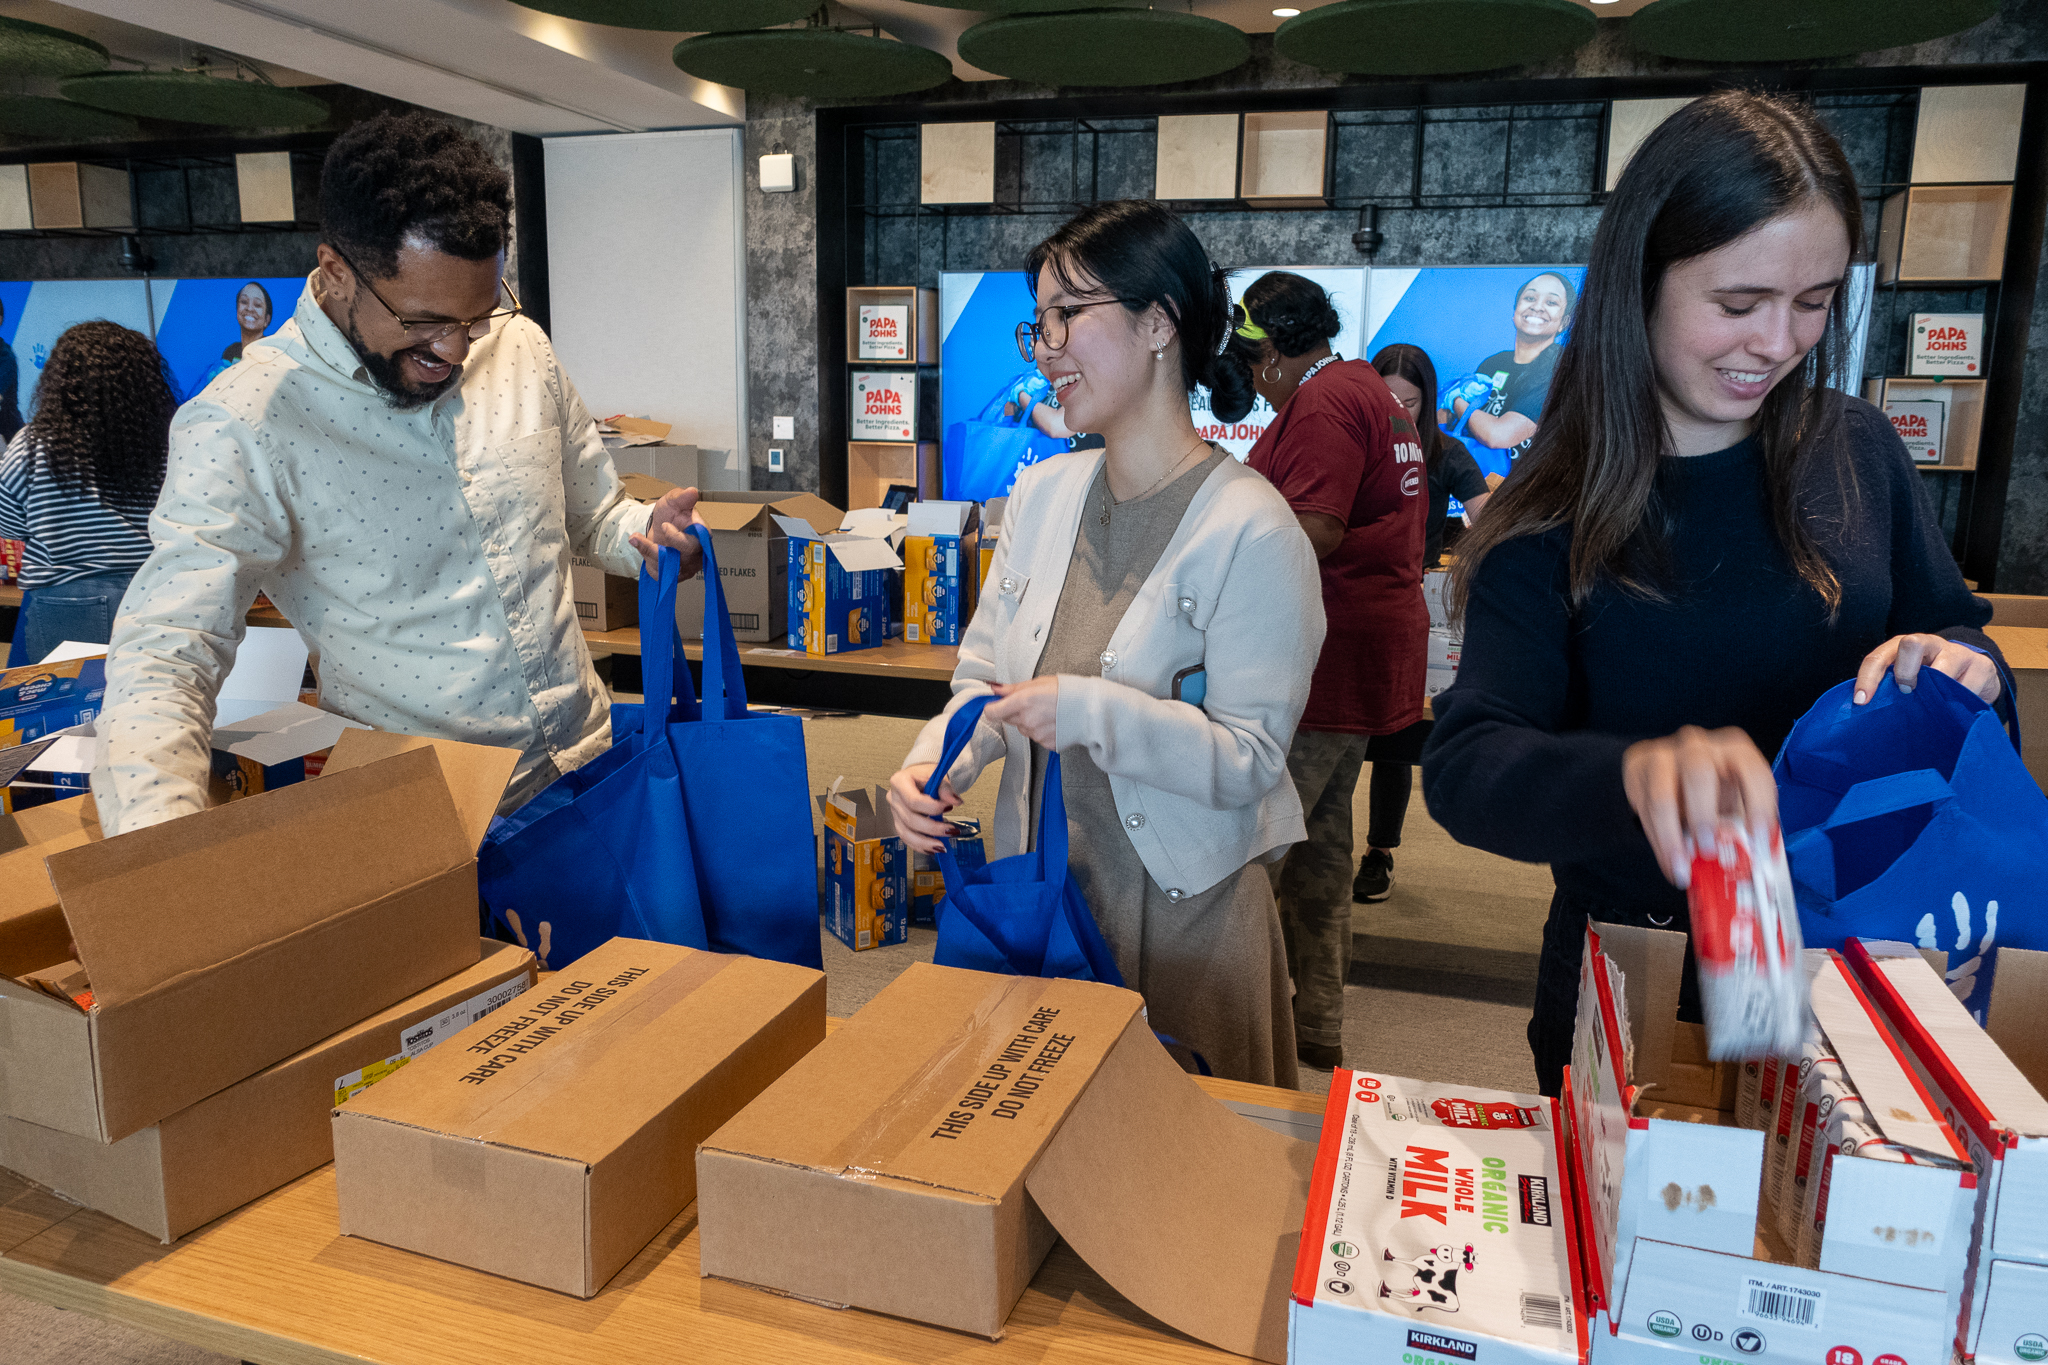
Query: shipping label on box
point(586, 1100)
point(884, 331)
point(1947, 344)
point(867, 870)
point(1919, 424)
point(1438, 1226)
point(241, 1143)
point(884, 405)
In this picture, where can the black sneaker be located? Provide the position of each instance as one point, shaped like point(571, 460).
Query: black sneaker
point(1375, 876)
point(1322, 1056)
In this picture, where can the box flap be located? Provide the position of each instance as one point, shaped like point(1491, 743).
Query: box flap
point(1900, 1105)
point(283, 733)
point(270, 663)
point(858, 553)
point(796, 528)
point(941, 518)
point(871, 521)
point(1652, 962)
point(155, 904)
point(2019, 1002)
point(1146, 1160)
point(992, 513)
point(67, 650)
point(644, 487)
point(75, 750)
point(750, 511)
point(908, 1088)
point(32, 929)
point(476, 774)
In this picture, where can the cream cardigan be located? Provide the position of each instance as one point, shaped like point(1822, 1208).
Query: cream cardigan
point(1200, 790)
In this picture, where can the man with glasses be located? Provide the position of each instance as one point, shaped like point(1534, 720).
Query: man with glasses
point(405, 471)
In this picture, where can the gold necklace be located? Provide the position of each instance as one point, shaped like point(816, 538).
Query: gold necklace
point(1107, 504)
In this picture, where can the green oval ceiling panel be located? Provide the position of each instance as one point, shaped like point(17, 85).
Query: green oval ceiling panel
point(48, 120)
point(28, 49)
point(1794, 30)
point(819, 63)
point(681, 16)
point(1032, 6)
point(1119, 47)
point(1433, 37)
point(194, 97)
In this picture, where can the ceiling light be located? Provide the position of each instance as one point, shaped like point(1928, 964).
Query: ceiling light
point(1290, 13)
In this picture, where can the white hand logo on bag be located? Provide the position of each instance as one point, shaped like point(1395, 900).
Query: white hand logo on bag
point(1962, 980)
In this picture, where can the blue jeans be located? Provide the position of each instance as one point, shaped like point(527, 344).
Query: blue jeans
point(81, 610)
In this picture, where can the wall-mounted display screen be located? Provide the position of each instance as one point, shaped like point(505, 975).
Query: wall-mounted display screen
point(995, 410)
point(199, 325)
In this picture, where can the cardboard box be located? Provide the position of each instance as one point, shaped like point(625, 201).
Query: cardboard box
point(40, 700)
point(941, 576)
point(1947, 344)
point(550, 1143)
point(274, 749)
point(604, 601)
point(1995, 1107)
point(992, 513)
point(839, 589)
point(867, 870)
point(1438, 1223)
point(1672, 1189)
point(259, 1134)
point(215, 945)
point(928, 1150)
point(2024, 642)
point(747, 536)
point(1445, 648)
point(1919, 424)
point(681, 466)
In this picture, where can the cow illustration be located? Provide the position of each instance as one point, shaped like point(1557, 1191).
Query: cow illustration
point(1431, 1280)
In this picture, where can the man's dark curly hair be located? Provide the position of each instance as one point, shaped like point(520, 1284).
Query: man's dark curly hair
point(103, 415)
point(410, 176)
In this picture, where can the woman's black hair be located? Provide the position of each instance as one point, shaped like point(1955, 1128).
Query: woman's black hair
point(1412, 363)
point(1295, 314)
point(1139, 252)
point(103, 412)
point(1715, 171)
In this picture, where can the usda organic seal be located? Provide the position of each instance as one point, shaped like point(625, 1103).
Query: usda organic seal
point(1665, 1324)
point(2032, 1346)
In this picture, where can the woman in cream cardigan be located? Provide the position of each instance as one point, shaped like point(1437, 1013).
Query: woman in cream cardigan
point(1158, 566)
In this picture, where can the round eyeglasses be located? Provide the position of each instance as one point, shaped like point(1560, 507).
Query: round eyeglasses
point(429, 331)
point(1052, 324)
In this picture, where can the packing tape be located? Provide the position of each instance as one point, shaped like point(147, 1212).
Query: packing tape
point(906, 1114)
point(560, 1071)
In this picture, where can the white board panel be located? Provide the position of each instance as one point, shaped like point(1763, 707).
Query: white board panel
point(647, 283)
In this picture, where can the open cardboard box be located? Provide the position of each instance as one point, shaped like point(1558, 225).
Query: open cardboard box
point(142, 973)
point(1989, 1080)
point(550, 1142)
point(921, 1161)
point(753, 561)
point(241, 1143)
point(1674, 1265)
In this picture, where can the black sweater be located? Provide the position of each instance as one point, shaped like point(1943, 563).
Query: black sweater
point(1525, 758)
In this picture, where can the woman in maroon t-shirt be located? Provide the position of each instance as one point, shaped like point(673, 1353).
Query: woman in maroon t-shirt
point(1344, 453)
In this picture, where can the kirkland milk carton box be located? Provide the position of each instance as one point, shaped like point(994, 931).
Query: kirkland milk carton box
point(1438, 1230)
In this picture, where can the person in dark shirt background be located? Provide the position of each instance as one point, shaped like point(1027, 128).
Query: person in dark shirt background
point(1453, 473)
point(10, 388)
point(1517, 380)
point(1702, 540)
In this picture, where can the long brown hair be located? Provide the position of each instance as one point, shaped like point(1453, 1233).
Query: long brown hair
point(1412, 363)
point(1714, 171)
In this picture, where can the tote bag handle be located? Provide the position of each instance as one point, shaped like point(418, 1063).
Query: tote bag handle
point(661, 649)
point(1050, 847)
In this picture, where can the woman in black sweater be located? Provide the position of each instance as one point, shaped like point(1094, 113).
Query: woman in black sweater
point(1703, 539)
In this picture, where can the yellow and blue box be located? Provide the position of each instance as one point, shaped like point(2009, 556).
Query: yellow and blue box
point(42, 699)
point(839, 589)
point(941, 572)
point(867, 870)
point(928, 883)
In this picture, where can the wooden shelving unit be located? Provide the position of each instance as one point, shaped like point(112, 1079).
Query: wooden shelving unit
point(900, 326)
point(1963, 423)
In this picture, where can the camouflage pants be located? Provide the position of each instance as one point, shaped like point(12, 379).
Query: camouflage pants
point(1313, 882)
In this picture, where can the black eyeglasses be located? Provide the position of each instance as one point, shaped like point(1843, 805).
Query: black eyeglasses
point(432, 330)
point(1052, 329)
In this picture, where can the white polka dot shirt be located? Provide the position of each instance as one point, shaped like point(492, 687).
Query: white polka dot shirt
point(423, 556)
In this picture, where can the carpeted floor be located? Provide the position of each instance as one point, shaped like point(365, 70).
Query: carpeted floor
point(1441, 977)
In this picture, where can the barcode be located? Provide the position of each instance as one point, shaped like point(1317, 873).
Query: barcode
point(587, 610)
point(910, 632)
point(745, 620)
point(1543, 1310)
point(865, 938)
point(1783, 1303)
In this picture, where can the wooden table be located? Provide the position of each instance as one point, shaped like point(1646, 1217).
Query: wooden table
point(276, 1284)
point(894, 659)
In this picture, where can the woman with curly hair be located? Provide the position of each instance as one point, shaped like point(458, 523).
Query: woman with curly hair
point(77, 484)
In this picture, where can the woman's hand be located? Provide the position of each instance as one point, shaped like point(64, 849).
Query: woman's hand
point(920, 819)
point(1680, 784)
point(1906, 655)
point(1032, 706)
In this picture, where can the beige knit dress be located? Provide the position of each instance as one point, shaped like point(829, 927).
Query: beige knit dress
point(1212, 966)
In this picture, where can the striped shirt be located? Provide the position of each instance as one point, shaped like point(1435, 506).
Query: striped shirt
point(66, 533)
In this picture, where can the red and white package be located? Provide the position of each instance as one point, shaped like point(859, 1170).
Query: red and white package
point(1745, 936)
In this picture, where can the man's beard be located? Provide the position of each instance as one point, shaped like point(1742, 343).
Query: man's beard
point(387, 374)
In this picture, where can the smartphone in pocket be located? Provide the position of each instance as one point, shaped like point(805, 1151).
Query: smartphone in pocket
point(1191, 685)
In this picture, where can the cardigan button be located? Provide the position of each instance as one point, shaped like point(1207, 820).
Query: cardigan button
point(1008, 585)
point(1175, 894)
point(1187, 604)
point(1109, 658)
point(1134, 822)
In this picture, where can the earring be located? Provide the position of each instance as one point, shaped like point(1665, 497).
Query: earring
point(1159, 351)
point(1271, 374)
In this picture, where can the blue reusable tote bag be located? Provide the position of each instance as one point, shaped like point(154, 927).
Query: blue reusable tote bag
point(1911, 818)
point(745, 785)
point(1022, 915)
point(605, 850)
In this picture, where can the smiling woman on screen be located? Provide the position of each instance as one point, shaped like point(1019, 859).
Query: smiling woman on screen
point(1702, 539)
